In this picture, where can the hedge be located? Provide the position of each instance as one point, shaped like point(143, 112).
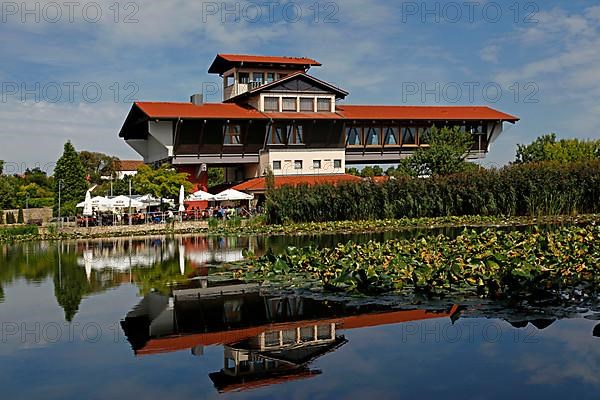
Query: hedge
point(518, 190)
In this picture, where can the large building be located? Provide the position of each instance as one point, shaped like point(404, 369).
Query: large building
point(275, 115)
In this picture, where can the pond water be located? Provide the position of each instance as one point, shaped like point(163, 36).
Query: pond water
point(99, 319)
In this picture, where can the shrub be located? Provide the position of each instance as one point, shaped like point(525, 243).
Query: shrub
point(533, 189)
point(10, 218)
point(20, 217)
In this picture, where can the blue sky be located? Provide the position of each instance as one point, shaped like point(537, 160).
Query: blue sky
point(543, 56)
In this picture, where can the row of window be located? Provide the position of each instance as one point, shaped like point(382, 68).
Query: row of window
point(392, 135)
point(298, 164)
point(356, 135)
point(295, 104)
point(256, 77)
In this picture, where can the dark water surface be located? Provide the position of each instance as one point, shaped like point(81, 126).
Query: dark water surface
point(99, 319)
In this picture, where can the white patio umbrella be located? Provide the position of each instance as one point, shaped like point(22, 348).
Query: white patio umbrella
point(233, 195)
point(125, 202)
point(181, 199)
point(201, 196)
point(87, 204)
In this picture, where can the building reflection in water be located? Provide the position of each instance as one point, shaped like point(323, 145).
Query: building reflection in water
point(266, 338)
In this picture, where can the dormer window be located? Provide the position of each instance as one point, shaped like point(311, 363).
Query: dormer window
point(289, 104)
point(307, 104)
point(323, 104)
point(270, 77)
point(271, 104)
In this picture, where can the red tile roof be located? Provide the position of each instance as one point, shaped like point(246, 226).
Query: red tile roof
point(129, 165)
point(260, 184)
point(268, 59)
point(224, 62)
point(454, 113)
point(189, 110)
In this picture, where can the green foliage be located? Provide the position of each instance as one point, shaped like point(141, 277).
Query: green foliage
point(10, 218)
point(216, 176)
point(353, 171)
point(97, 165)
point(160, 182)
point(12, 231)
point(492, 263)
point(69, 174)
point(1, 167)
point(546, 148)
point(20, 217)
point(446, 154)
point(1, 217)
point(529, 189)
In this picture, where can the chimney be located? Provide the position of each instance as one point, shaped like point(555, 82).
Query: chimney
point(197, 99)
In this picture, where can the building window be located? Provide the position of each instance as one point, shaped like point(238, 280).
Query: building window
point(258, 77)
point(307, 104)
point(295, 134)
point(289, 104)
point(373, 136)
point(390, 136)
point(323, 105)
point(276, 165)
point(275, 135)
point(298, 164)
point(409, 136)
point(272, 104)
point(244, 77)
point(353, 136)
point(232, 134)
point(270, 77)
point(337, 163)
point(229, 80)
point(424, 135)
point(316, 164)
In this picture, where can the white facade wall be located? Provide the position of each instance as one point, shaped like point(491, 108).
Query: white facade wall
point(289, 157)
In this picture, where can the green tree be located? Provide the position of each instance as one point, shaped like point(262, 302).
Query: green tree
point(1, 167)
point(1, 217)
point(446, 154)
point(216, 176)
point(547, 148)
point(353, 171)
point(69, 175)
point(10, 218)
point(535, 151)
point(160, 182)
point(20, 217)
point(97, 165)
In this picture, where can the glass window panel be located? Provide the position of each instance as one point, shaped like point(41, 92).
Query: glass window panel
point(337, 163)
point(323, 105)
point(289, 336)
point(258, 77)
point(373, 136)
point(275, 135)
point(317, 164)
point(276, 165)
point(307, 334)
point(298, 164)
point(272, 339)
point(270, 77)
point(324, 332)
point(391, 136)
point(289, 104)
point(244, 77)
point(424, 135)
point(307, 104)
point(272, 104)
point(353, 136)
point(409, 135)
point(232, 134)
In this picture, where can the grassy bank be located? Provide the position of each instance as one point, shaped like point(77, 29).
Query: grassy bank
point(258, 227)
point(491, 263)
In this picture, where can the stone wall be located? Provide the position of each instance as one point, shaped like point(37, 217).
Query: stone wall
point(32, 214)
